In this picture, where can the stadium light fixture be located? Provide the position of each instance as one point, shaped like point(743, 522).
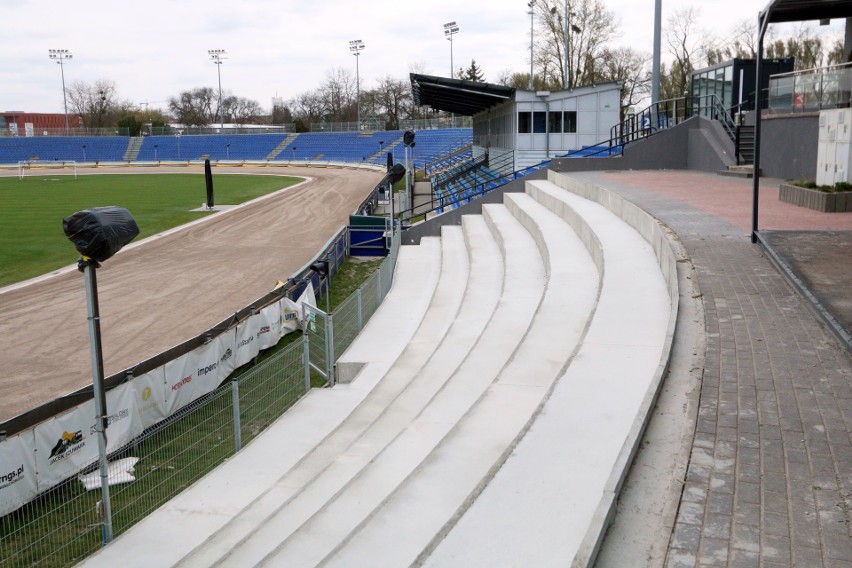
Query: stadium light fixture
point(451, 29)
point(531, 6)
point(356, 46)
point(60, 56)
point(98, 234)
point(217, 55)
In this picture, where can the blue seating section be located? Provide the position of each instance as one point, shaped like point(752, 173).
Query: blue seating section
point(468, 187)
point(63, 148)
point(342, 147)
point(221, 147)
point(597, 151)
point(351, 147)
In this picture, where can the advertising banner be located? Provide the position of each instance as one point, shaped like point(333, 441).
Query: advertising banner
point(227, 353)
point(150, 393)
point(270, 326)
point(191, 376)
point(248, 345)
point(17, 472)
point(67, 443)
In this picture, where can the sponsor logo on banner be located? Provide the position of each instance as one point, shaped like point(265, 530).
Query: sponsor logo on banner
point(146, 394)
point(112, 418)
point(264, 329)
point(15, 475)
point(67, 445)
point(245, 342)
point(290, 314)
point(228, 354)
point(181, 383)
point(207, 369)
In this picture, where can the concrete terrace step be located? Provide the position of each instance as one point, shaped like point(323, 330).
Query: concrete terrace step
point(478, 442)
point(220, 497)
point(547, 505)
point(397, 459)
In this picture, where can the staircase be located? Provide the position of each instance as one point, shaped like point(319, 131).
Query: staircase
point(745, 145)
point(280, 148)
point(133, 148)
point(378, 156)
point(496, 397)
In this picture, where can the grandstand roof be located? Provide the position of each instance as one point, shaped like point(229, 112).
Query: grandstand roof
point(458, 96)
point(802, 10)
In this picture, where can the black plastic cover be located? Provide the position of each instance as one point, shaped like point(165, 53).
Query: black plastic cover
point(100, 232)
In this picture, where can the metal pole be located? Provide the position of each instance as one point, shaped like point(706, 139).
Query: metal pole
point(101, 419)
point(64, 97)
point(358, 89)
point(531, 5)
point(655, 81)
point(238, 430)
point(762, 23)
point(306, 358)
point(221, 114)
point(566, 81)
point(360, 309)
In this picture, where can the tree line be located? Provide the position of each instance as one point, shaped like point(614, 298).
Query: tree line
point(593, 57)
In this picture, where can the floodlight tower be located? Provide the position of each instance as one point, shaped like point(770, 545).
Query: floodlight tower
point(451, 29)
point(217, 55)
point(356, 46)
point(60, 55)
point(531, 6)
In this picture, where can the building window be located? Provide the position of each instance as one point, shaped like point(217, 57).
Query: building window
point(524, 122)
point(555, 123)
point(539, 122)
point(570, 121)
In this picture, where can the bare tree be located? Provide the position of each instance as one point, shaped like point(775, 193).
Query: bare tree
point(97, 103)
point(196, 107)
point(630, 68)
point(393, 98)
point(685, 43)
point(592, 28)
point(241, 110)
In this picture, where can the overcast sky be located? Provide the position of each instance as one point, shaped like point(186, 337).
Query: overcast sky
point(154, 49)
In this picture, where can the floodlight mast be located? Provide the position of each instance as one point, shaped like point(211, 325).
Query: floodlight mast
point(531, 6)
point(451, 29)
point(356, 46)
point(217, 55)
point(60, 55)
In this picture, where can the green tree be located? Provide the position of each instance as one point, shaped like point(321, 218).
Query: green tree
point(472, 73)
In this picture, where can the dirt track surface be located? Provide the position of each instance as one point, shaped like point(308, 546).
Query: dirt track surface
point(168, 289)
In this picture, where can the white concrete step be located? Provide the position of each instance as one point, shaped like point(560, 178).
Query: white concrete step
point(522, 292)
point(220, 497)
point(544, 506)
point(305, 482)
point(428, 502)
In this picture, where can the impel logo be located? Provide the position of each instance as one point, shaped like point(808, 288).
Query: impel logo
point(67, 445)
point(9, 478)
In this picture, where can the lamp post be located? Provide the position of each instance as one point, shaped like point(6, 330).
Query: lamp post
point(156, 159)
point(98, 234)
point(531, 6)
point(451, 29)
point(84, 152)
point(217, 55)
point(61, 55)
point(356, 46)
point(569, 27)
point(228, 151)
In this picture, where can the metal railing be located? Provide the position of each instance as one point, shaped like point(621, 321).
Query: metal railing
point(667, 114)
point(811, 90)
point(63, 525)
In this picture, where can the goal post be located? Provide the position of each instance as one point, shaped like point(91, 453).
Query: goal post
point(29, 167)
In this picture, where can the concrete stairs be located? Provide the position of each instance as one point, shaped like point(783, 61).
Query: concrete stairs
point(280, 148)
point(497, 396)
point(134, 146)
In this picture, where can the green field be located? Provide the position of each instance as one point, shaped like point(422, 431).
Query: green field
point(31, 210)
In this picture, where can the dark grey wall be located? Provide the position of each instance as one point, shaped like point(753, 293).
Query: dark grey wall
point(788, 146)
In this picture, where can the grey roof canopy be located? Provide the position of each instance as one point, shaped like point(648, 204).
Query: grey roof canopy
point(458, 96)
point(801, 10)
point(780, 11)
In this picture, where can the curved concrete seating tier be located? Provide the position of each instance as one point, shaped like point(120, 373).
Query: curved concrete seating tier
point(492, 407)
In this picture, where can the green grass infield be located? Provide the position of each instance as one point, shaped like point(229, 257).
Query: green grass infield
point(31, 210)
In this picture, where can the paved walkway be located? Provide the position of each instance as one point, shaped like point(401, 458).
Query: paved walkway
point(769, 481)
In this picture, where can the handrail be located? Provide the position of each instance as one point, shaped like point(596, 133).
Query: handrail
point(667, 113)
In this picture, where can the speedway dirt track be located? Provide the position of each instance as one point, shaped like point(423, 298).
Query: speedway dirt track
point(169, 288)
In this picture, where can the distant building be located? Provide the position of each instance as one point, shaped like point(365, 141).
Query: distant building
point(19, 123)
point(733, 81)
